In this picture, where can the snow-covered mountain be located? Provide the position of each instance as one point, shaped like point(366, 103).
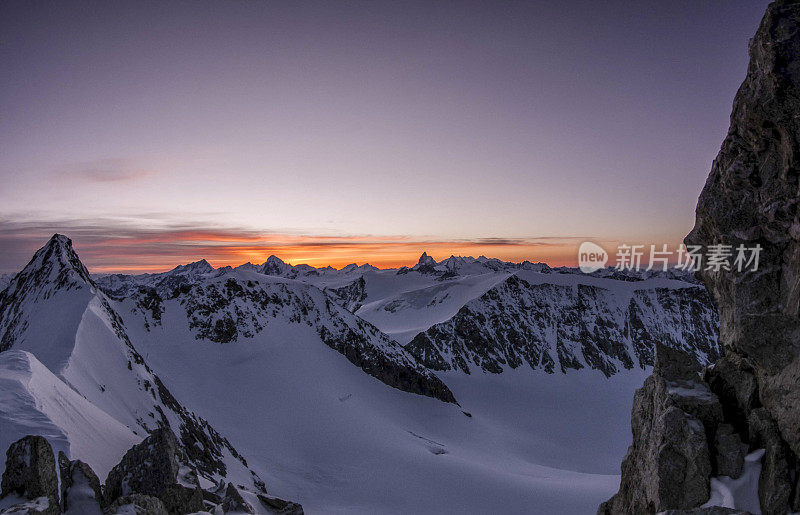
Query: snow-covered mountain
point(608, 326)
point(229, 305)
point(310, 374)
point(67, 359)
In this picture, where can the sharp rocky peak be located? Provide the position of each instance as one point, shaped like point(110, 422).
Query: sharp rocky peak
point(425, 259)
point(56, 263)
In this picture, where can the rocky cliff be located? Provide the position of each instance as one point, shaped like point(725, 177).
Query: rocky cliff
point(751, 198)
point(556, 327)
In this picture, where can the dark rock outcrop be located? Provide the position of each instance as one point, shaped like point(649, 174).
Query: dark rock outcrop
point(153, 478)
point(554, 327)
point(730, 451)
point(31, 473)
point(668, 466)
point(233, 501)
point(751, 200)
point(79, 484)
point(279, 506)
point(157, 467)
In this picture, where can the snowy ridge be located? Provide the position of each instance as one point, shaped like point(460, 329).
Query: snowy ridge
point(608, 320)
point(234, 305)
point(34, 401)
point(284, 359)
point(54, 312)
point(571, 326)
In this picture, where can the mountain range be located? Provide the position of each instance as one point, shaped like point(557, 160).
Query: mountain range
point(463, 384)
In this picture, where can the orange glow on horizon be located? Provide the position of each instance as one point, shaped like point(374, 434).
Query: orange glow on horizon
point(146, 251)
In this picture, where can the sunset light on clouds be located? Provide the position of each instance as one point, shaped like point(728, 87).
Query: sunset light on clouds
point(357, 132)
point(418, 257)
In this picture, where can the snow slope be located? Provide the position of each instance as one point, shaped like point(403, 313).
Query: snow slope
point(322, 432)
point(328, 409)
point(34, 401)
point(53, 311)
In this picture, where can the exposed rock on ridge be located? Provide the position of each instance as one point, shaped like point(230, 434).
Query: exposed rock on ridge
point(560, 327)
point(154, 477)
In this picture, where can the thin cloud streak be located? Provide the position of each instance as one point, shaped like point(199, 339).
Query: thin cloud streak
point(113, 246)
point(106, 171)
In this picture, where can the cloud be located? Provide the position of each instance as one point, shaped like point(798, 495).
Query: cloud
point(106, 171)
point(158, 244)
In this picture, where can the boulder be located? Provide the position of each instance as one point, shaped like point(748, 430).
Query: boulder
point(675, 365)
point(80, 486)
point(775, 482)
point(279, 506)
point(157, 467)
point(31, 474)
point(732, 379)
point(233, 501)
point(668, 466)
point(136, 504)
point(711, 510)
point(729, 452)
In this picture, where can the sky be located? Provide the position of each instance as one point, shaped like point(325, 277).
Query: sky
point(158, 133)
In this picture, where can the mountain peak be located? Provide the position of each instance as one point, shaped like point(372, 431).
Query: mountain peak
point(199, 267)
point(425, 259)
point(54, 267)
point(350, 267)
point(57, 260)
point(274, 266)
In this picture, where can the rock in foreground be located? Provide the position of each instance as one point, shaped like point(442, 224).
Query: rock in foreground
point(751, 200)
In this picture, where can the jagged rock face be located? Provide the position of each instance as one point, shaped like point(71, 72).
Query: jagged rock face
point(775, 482)
point(751, 197)
point(351, 296)
point(227, 309)
point(80, 486)
point(233, 501)
point(31, 472)
point(157, 467)
point(730, 452)
point(669, 464)
point(554, 327)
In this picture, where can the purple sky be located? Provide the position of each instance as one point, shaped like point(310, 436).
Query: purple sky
point(433, 124)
